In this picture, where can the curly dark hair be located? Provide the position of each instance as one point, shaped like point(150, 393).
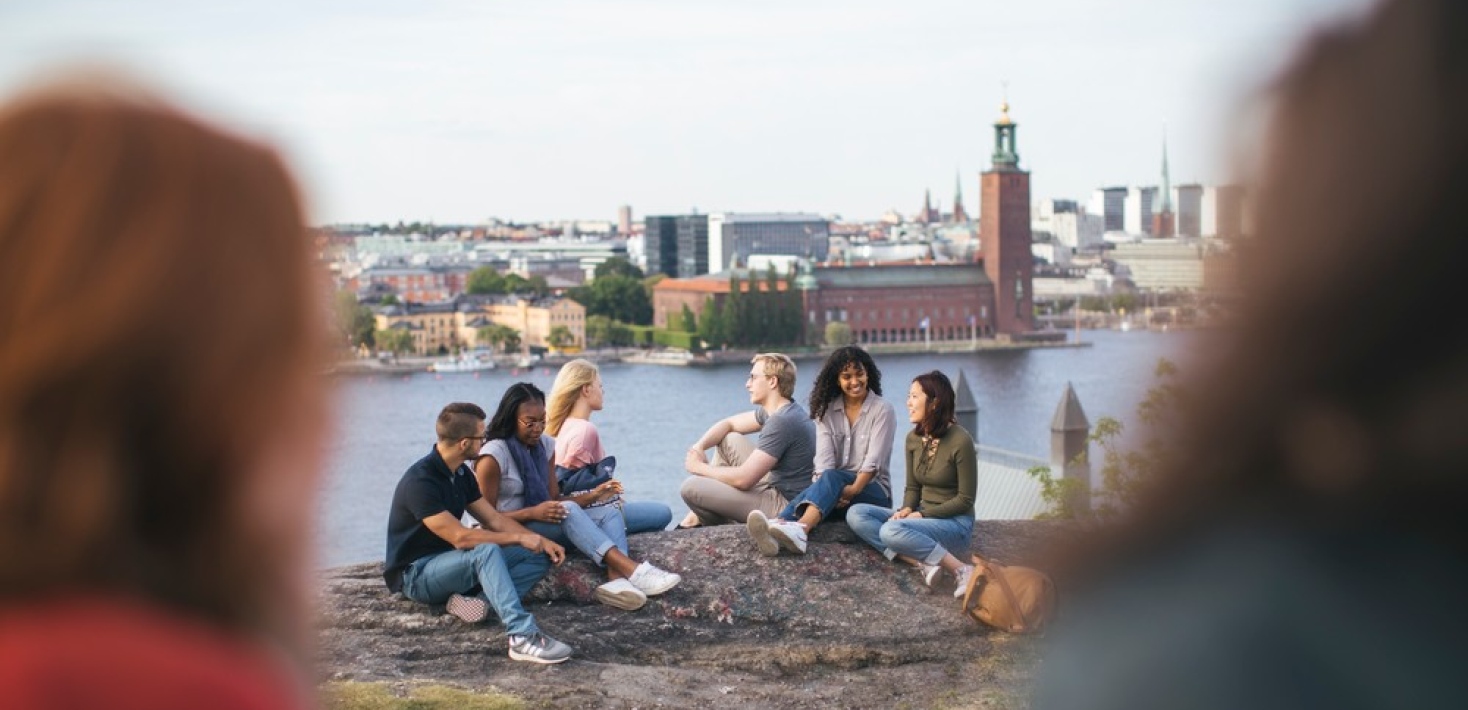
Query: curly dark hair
point(827, 386)
point(502, 425)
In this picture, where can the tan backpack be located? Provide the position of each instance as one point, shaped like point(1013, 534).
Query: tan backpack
point(1015, 599)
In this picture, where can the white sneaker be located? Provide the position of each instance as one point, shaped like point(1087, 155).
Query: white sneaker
point(961, 580)
point(653, 581)
point(790, 536)
point(470, 609)
point(931, 574)
point(759, 531)
point(621, 594)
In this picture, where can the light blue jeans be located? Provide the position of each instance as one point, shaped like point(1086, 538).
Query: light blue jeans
point(926, 540)
point(503, 575)
point(597, 529)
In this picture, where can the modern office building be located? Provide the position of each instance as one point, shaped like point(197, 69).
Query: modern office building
point(1109, 203)
point(660, 244)
point(1188, 202)
point(734, 237)
point(1138, 210)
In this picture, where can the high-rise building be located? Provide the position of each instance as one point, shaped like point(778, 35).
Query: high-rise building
point(1222, 211)
point(1004, 229)
point(1109, 203)
point(734, 237)
point(624, 220)
point(693, 245)
point(1189, 201)
point(660, 244)
point(1138, 212)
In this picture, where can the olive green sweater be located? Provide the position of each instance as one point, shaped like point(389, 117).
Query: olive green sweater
point(943, 485)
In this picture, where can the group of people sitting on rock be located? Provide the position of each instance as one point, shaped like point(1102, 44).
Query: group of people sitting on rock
point(536, 478)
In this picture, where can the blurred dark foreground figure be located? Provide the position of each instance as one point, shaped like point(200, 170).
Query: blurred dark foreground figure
point(1306, 548)
point(161, 405)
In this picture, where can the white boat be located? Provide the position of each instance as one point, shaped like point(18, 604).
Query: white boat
point(468, 362)
point(527, 361)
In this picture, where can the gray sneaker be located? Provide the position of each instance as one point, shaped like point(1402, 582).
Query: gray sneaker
point(759, 531)
point(538, 648)
point(961, 580)
point(470, 609)
point(789, 536)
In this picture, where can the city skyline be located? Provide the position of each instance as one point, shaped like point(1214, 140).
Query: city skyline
point(455, 112)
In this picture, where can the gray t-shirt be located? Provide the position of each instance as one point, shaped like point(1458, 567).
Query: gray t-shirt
point(790, 436)
point(512, 483)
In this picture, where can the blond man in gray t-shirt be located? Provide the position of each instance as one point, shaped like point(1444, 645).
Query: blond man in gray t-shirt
point(745, 476)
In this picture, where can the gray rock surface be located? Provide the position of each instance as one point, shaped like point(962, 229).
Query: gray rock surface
point(837, 627)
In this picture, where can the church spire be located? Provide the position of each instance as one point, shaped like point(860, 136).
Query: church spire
point(1166, 178)
point(959, 215)
point(1163, 221)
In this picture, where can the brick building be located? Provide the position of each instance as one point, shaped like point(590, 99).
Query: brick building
point(1004, 230)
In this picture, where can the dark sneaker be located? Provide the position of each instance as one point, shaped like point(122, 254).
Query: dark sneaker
point(538, 648)
point(470, 609)
point(759, 531)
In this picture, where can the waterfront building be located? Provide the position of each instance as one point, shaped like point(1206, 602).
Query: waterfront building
point(908, 302)
point(1004, 230)
point(734, 237)
point(442, 326)
point(1177, 264)
point(669, 296)
point(1109, 203)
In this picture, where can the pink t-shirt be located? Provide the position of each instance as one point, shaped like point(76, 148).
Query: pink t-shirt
point(578, 444)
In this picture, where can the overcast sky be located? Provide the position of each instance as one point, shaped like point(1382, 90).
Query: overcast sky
point(457, 111)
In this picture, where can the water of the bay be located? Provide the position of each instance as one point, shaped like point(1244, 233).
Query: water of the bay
point(654, 412)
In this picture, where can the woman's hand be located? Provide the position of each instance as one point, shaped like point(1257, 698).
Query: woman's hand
point(606, 490)
point(902, 514)
point(551, 511)
point(847, 494)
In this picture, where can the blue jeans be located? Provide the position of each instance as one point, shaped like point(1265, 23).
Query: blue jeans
point(825, 493)
point(926, 540)
point(593, 531)
point(646, 516)
point(502, 574)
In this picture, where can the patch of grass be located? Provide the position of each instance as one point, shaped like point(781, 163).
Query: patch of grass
point(350, 695)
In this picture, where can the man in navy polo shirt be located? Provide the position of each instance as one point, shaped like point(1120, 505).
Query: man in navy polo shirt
point(433, 558)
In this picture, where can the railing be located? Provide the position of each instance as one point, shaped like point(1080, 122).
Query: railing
point(1009, 459)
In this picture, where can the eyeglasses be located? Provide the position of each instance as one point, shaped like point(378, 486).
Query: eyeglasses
point(482, 439)
point(752, 376)
point(533, 423)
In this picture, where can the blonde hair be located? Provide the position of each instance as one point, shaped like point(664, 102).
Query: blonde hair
point(780, 367)
point(566, 391)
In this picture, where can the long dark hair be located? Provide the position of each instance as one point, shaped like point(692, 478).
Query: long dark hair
point(939, 416)
point(827, 386)
point(502, 425)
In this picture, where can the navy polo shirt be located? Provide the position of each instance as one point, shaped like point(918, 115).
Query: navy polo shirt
point(427, 488)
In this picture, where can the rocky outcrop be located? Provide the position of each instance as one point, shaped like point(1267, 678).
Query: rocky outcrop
point(837, 627)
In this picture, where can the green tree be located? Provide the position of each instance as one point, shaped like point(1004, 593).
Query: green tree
point(560, 337)
point(538, 286)
point(838, 334)
point(617, 266)
point(1124, 473)
point(394, 340)
point(484, 280)
point(598, 331)
point(711, 324)
point(498, 337)
point(687, 322)
point(621, 298)
point(354, 321)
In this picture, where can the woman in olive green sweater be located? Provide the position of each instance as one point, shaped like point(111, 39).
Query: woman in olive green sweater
point(936, 520)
